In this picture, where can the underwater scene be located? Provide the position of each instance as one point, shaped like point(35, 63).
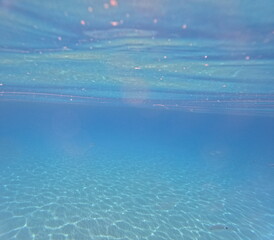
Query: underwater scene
point(136, 120)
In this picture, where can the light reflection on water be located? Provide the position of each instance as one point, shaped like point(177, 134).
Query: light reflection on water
point(133, 50)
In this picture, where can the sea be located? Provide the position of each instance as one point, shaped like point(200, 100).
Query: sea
point(136, 120)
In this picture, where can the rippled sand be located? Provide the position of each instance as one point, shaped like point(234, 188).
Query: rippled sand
point(116, 196)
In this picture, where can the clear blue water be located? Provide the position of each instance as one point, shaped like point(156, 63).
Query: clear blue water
point(136, 120)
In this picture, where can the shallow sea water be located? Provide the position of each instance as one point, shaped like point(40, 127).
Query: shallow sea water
point(80, 172)
point(136, 120)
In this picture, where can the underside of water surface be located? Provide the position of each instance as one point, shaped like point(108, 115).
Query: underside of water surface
point(196, 56)
point(136, 120)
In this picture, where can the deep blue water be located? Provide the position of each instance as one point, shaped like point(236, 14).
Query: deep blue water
point(136, 120)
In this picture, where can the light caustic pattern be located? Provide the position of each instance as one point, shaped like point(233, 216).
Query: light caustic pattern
point(128, 199)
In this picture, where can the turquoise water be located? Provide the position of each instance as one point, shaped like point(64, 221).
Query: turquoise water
point(136, 120)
